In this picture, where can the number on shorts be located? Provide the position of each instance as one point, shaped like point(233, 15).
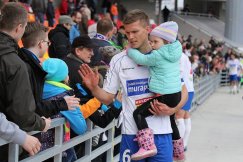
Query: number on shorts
point(126, 156)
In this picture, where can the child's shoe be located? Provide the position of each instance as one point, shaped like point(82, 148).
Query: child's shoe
point(178, 150)
point(147, 148)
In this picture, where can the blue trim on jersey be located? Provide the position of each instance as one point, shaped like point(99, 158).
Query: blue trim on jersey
point(188, 104)
point(163, 143)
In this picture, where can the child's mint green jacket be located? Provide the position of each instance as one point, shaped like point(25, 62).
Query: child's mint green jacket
point(164, 67)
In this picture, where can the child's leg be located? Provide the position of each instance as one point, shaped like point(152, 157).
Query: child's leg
point(175, 134)
point(172, 100)
point(145, 136)
point(140, 114)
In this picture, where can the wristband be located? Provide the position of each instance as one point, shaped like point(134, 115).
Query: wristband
point(117, 104)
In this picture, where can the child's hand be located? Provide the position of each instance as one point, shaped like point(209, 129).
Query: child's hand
point(72, 102)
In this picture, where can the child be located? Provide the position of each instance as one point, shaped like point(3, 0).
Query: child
point(165, 82)
point(55, 89)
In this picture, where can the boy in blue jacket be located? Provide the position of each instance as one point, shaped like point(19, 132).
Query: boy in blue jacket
point(54, 89)
point(164, 81)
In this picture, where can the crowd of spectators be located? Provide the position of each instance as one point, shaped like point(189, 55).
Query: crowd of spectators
point(206, 57)
point(69, 41)
point(46, 10)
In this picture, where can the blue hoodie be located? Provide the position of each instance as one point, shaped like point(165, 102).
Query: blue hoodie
point(75, 117)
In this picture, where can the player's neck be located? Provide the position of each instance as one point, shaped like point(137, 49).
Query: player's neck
point(145, 48)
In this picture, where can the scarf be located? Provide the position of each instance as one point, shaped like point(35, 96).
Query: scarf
point(101, 37)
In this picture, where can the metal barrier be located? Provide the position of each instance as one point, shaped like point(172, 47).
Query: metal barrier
point(224, 78)
point(60, 146)
point(204, 87)
point(193, 14)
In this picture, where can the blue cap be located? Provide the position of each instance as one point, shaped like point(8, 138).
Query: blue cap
point(57, 69)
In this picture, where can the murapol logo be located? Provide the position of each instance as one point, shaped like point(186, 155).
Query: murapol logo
point(137, 87)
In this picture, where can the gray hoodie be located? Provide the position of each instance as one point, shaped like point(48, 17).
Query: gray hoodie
point(10, 131)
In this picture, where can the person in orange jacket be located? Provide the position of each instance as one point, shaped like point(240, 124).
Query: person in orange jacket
point(114, 12)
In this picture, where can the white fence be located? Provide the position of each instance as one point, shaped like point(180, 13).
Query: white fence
point(204, 87)
point(61, 146)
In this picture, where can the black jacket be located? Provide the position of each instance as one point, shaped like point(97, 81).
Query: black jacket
point(103, 119)
point(37, 80)
point(50, 12)
point(60, 44)
point(73, 64)
point(16, 98)
point(39, 6)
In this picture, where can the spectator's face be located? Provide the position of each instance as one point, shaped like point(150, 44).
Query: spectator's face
point(43, 46)
point(84, 54)
point(155, 42)
point(137, 34)
point(78, 18)
point(114, 30)
point(67, 26)
point(195, 58)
